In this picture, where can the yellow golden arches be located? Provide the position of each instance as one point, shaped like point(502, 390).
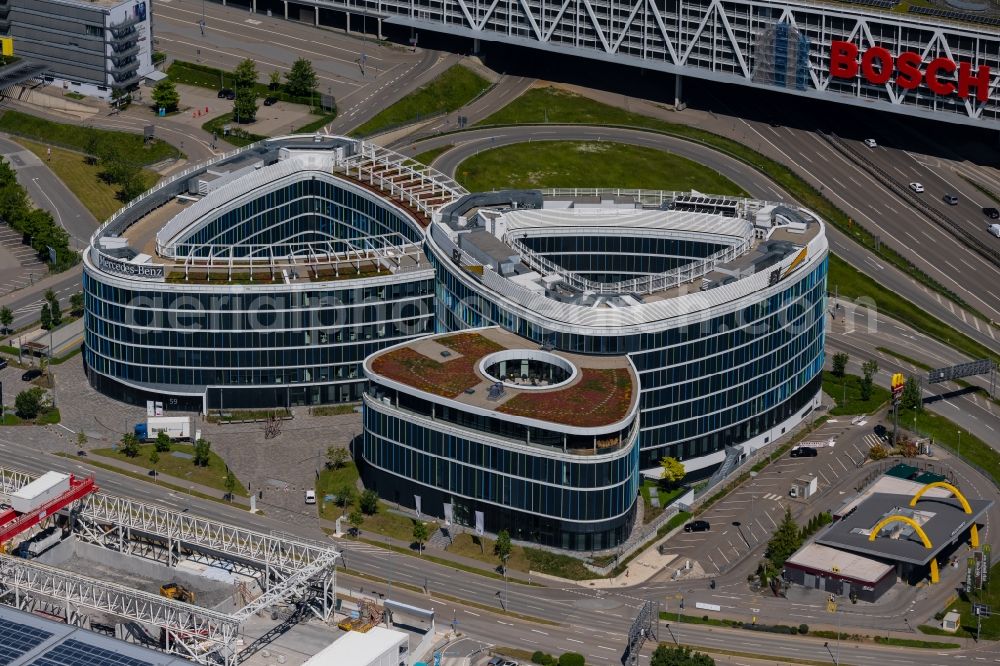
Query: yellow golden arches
point(943, 484)
point(901, 519)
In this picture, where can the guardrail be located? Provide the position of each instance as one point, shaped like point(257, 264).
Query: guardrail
point(903, 190)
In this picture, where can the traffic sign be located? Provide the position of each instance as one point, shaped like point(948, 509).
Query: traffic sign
point(980, 610)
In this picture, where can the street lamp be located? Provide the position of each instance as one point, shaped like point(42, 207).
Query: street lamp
point(960, 444)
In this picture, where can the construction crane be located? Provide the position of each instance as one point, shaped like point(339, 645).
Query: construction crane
point(39, 500)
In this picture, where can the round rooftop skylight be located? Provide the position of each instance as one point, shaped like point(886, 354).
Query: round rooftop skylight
point(528, 369)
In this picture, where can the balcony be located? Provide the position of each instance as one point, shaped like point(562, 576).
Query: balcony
point(128, 52)
point(128, 24)
point(124, 41)
point(130, 65)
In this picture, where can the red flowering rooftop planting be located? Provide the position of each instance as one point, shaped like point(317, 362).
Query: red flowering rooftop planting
point(448, 377)
point(599, 398)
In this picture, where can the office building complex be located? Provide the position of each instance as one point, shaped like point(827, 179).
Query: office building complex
point(88, 47)
point(268, 276)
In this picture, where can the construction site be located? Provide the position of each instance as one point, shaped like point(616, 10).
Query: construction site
point(153, 576)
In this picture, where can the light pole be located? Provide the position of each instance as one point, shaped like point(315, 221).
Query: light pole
point(960, 444)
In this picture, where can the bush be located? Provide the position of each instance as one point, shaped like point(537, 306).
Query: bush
point(539, 657)
point(571, 659)
point(803, 628)
point(29, 403)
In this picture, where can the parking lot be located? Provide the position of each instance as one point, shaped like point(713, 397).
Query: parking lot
point(747, 517)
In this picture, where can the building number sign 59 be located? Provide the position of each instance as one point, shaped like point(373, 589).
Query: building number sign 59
point(878, 66)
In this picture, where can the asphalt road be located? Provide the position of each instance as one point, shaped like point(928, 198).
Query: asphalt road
point(49, 193)
point(469, 142)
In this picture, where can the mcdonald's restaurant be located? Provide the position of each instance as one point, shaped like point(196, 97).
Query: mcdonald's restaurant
point(887, 538)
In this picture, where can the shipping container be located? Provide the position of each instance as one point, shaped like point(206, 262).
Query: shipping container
point(39, 492)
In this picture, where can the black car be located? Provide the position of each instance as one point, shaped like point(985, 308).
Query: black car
point(991, 213)
point(697, 526)
point(804, 452)
point(270, 100)
point(226, 93)
point(3, 363)
point(31, 374)
point(881, 432)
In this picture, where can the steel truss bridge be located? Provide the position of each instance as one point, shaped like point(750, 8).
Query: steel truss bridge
point(287, 570)
point(774, 44)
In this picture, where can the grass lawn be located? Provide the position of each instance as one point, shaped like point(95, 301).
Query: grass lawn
point(203, 76)
point(990, 597)
point(453, 89)
point(944, 432)
point(212, 476)
point(544, 164)
point(329, 482)
point(846, 392)
point(322, 121)
point(665, 498)
point(82, 179)
point(46, 417)
point(540, 105)
point(521, 558)
point(77, 137)
point(238, 136)
point(429, 156)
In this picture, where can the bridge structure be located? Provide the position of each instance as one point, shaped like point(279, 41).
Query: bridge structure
point(287, 571)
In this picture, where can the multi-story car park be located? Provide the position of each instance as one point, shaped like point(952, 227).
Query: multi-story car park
point(266, 278)
point(89, 47)
point(495, 431)
point(926, 62)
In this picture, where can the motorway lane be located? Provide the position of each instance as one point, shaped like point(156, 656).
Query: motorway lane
point(469, 142)
point(49, 193)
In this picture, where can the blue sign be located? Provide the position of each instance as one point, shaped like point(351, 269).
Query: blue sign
point(437, 659)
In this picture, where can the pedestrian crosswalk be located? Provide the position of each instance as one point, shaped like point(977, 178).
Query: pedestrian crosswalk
point(871, 440)
point(772, 496)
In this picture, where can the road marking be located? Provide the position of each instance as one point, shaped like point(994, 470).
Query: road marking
point(604, 647)
point(509, 624)
point(539, 632)
point(574, 640)
point(471, 613)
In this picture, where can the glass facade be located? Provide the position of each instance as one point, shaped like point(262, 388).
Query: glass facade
point(610, 259)
point(580, 502)
point(266, 346)
point(707, 385)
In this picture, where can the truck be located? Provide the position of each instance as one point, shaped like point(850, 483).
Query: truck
point(177, 427)
point(39, 492)
point(40, 543)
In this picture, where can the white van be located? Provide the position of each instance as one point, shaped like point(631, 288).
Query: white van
point(995, 230)
point(310, 497)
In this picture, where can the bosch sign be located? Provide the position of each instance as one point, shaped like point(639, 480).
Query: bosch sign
point(878, 66)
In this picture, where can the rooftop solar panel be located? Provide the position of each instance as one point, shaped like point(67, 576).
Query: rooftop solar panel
point(77, 653)
point(17, 639)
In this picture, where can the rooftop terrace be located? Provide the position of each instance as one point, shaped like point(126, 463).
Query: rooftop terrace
point(584, 391)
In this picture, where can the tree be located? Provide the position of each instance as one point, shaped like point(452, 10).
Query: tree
point(840, 364)
point(162, 442)
point(420, 535)
point(29, 403)
point(229, 483)
point(129, 445)
point(54, 311)
point(671, 655)
point(786, 540)
point(245, 75)
point(6, 317)
point(301, 79)
point(673, 470)
point(274, 80)
point(154, 460)
point(369, 502)
point(45, 317)
point(81, 438)
point(356, 519)
point(912, 397)
point(165, 95)
point(336, 457)
point(202, 449)
point(869, 369)
point(120, 97)
point(75, 304)
point(345, 495)
point(131, 186)
point(502, 548)
point(571, 659)
point(245, 105)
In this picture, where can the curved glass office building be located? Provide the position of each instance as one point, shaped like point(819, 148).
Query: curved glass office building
point(718, 303)
point(264, 279)
point(487, 428)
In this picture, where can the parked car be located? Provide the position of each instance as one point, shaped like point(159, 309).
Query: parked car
point(881, 432)
point(227, 93)
point(697, 526)
point(871, 143)
point(950, 199)
point(34, 373)
point(270, 100)
point(501, 661)
point(994, 229)
point(991, 213)
point(310, 497)
point(917, 187)
point(3, 363)
point(804, 452)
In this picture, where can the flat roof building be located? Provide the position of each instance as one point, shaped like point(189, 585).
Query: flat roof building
point(376, 647)
point(89, 47)
point(839, 572)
